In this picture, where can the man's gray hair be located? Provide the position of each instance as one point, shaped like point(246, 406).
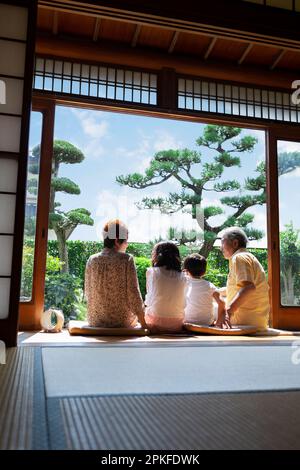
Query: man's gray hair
point(236, 233)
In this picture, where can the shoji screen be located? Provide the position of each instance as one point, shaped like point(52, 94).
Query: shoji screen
point(17, 27)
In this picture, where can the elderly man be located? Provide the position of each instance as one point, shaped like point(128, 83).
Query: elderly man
point(247, 290)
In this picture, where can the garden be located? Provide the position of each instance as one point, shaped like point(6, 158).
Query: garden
point(65, 290)
point(196, 175)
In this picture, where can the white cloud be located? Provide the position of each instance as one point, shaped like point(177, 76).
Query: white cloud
point(147, 146)
point(144, 225)
point(140, 155)
point(260, 223)
point(284, 146)
point(164, 140)
point(95, 129)
point(258, 134)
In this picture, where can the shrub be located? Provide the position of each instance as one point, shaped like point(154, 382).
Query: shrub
point(262, 256)
point(53, 265)
point(27, 272)
point(139, 250)
point(79, 253)
point(63, 291)
point(216, 277)
point(142, 264)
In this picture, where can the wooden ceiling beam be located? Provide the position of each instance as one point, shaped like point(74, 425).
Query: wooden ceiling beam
point(107, 52)
point(240, 20)
point(168, 24)
point(55, 23)
point(96, 29)
point(245, 53)
point(136, 35)
point(210, 47)
point(278, 59)
point(173, 42)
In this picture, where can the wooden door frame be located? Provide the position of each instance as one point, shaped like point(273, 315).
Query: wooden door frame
point(283, 316)
point(30, 312)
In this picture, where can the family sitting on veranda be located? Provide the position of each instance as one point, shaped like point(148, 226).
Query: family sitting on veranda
point(177, 293)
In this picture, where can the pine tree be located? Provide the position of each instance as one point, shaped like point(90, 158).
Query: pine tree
point(63, 223)
point(207, 177)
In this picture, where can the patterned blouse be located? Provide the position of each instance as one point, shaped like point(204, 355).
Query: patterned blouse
point(112, 290)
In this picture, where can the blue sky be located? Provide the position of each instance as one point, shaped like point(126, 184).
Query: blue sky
point(117, 143)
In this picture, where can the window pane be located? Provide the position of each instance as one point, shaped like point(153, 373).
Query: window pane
point(31, 206)
point(289, 221)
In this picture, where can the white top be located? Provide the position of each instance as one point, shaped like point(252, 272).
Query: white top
point(199, 301)
point(165, 292)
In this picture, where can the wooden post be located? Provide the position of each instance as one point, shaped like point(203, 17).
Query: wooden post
point(167, 89)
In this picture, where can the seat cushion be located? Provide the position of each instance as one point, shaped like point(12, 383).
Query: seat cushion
point(82, 328)
point(213, 330)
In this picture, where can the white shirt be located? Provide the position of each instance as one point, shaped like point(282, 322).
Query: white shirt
point(165, 292)
point(199, 301)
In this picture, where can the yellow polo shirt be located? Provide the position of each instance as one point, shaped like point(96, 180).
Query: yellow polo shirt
point(244, 267)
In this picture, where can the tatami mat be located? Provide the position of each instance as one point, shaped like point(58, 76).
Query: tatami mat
point(16, 399)
point(182, 422)
point(29, 420)
point(86, 371)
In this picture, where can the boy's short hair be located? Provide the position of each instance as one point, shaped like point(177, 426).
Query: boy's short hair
point(195, 264)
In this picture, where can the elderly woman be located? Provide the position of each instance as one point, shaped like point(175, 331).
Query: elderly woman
point(111, 285)
point(247, 290)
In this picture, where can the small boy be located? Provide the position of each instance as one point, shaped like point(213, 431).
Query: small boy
point(200, 293)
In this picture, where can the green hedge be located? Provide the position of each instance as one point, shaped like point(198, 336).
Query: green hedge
point(80, 251)
point(218, 266)
point(142, 264)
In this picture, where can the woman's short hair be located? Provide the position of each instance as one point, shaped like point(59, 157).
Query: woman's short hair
point(114, 230)
point(236, 233)
point(195, 264)
point(166, 254)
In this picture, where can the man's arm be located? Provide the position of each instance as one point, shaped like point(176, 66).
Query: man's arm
point(241, 296)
